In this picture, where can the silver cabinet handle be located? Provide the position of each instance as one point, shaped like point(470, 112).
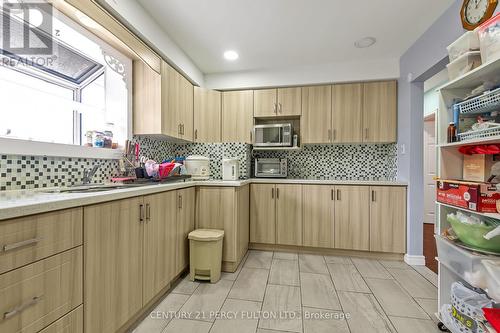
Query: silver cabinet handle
point(366, 133)
point(13, 246)
point(334, 134)
point(373, 195)
point(329, 135)
point(148, 212)
point(275, 110)
point(272, 193)
point(141, 213)
point(251, 136)
point(195, 134)
point(277, 193)
point(338, 194)
point(20, 308)
point(332, 195)
point(279, 107)
point(182, 128)
point(180, 201)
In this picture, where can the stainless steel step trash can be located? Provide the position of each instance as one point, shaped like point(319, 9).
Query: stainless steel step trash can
point(205, 254)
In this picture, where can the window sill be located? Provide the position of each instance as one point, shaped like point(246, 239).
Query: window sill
point(35, 148)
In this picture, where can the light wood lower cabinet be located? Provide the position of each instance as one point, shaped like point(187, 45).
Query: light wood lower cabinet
point(388, 219)
point(262, 213)
point(28, 239)
point(318, 207)
point(70, 323)
point(225, 208)
point(289, 214)
point(185, 224)
point(33, 296)
point(352, 217)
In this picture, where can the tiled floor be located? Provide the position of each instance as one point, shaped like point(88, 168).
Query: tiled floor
point(285, 292)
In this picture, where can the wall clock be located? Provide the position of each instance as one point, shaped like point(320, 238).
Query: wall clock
point(475, 12)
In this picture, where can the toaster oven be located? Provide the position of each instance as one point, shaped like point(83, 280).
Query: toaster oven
point(271, 168)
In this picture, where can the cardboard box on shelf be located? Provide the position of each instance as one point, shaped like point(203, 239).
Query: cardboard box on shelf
point(477, 168)
point(478, 197)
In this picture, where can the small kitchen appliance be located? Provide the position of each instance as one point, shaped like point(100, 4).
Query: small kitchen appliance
point(273, 135)
point(198, 167)
point(230, 168)
point(271, 167)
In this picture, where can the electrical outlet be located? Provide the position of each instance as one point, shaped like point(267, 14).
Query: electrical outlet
point(402, 148)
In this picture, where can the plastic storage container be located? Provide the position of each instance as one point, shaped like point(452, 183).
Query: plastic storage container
point(463, 64)
point(464, 263)
point(492, 270)
point(205, 254)
point(467, 42)
point(472, 234)
point(489, 39)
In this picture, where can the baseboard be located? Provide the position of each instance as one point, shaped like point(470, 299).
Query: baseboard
point(414, 260)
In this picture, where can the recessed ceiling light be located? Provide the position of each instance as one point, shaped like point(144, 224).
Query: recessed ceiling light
point(365, 42)
point(231, 55)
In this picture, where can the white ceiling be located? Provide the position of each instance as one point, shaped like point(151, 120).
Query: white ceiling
point(270, 34)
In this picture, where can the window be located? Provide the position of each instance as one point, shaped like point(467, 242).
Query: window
point(85, 88)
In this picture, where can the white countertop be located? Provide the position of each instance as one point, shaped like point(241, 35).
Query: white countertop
point(27, 202)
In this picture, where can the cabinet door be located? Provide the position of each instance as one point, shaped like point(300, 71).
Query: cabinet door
point(380, 111)
point(186, 108)
point(316, 114)
point(185, 224)
point(113, 249)
point(159, 242)
point(207, 115)
point(147, 115)
point(243, 212)
point(237, 116)
point(262, 213)
point(216, 210)
point(318, 215)
point(347, 113)
point(352, 224)
point(289, 101)
point(388, 219)
point(264, 103)
point(289, 215)
point(170, 91)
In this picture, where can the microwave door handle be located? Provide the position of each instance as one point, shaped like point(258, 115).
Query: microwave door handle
point(281, 139)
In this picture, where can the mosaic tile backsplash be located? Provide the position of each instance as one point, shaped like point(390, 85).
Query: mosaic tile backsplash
point(342, 162)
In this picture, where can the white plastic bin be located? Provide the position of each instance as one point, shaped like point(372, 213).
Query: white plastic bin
point(463, 64)
point(467, 42)
point(489, 39)
point(492, 270)
point(205, 254)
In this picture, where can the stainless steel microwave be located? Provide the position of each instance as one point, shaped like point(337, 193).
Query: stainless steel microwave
point(271, 167)
point(273, 135)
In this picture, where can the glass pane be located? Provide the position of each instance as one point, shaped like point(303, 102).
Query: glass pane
point(271, 135)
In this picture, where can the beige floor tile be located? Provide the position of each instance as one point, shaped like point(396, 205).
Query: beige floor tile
point(260, 330)
point(318, 291)
point(369, 268)
point(430, 307)
point(285, 272)
point(324, 321)
point(347, 278)
point(427, 274)
point(284, 302)
point(238, 315)
point(286, 256)
point(365, 314)
point(250, 284)
point(414, 283)
point(338, 260)
point(395, 264)
point(394, 300)
point(162, 314)
point(185, 325)
point(207, 299)
point(411, 325)
point(186, 286)
point(259, 259)
point(234, 275)
point(310, 263)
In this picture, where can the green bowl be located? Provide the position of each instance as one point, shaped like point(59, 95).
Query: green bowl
point(472, 235)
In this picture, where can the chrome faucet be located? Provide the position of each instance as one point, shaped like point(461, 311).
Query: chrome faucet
point(89, 173)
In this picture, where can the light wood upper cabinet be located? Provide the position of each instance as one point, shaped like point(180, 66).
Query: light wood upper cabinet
point(380, 111)
point(147, 101)
point(352, 213)
point(262, 213)
point(112, 264)
point(388, 219)
point(237, 116)
point(289, 214)
point(316, 114)
point(347, 113)
point(264, 103)
point(185, 224)
point(318, 209)
point(207, 115)
point(159, 242)
point(289, 101)
point(186, 108)
point(277, 102)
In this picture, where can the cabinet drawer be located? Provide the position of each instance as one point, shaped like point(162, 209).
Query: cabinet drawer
point(70, 323)
point(28, 239)
point(36, 295)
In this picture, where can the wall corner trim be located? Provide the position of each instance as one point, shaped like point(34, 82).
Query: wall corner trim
point(413, 260)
